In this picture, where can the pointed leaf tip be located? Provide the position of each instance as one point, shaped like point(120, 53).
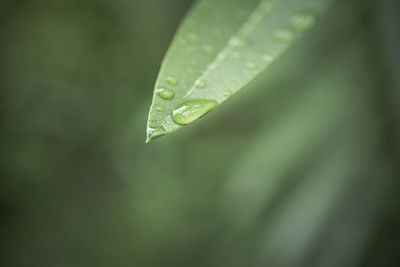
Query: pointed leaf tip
point(220, 47)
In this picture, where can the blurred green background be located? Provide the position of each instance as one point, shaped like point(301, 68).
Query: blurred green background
point(299, 169)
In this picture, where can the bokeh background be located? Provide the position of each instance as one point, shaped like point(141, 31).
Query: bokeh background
point(299, 169)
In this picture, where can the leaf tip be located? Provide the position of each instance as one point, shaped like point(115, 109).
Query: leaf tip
point(154, 133)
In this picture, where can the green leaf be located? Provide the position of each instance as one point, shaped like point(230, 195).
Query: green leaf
point(220, 47)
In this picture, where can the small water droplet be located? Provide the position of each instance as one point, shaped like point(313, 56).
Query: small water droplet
point(207, 49)
point(200, 83)
point(303, 20)
point(165, 93)
point(237, 42)
point(251, 66)
point(192, 110)
point(172, 80)
point(268, 58)
point(192, 37)
point(283, 35)
point(228, 93)
point(234, 83)
point(160, 109)
point(153, 133)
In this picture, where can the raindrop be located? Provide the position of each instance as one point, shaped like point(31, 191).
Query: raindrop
point(192, 110)
point(237, 42)
point(302, 21)
point(283, 35)
point(200, 83)
point(268, 58)
point(172, 80)
point(251, 66)
point(165, 93)
point(228, 93)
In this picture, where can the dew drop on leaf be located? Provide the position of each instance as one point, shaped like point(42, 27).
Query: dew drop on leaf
point(172, 80)
point(200, 83)
point(302, 21)
point(165, 93)
point(228, 93)
point(237, 42)
point(283, 35)
point(251, 66)
point(268, 58)
point(191, 110)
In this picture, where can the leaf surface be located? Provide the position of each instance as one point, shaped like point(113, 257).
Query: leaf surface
point(220, 47)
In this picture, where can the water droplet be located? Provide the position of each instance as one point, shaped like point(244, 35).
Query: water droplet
point(268, 58)
point(228, 93)
point(172, 80)
point(165, 93)
point(302, 21)
point(192, 37)
point(200, 83)
point(234, 83)
point(153, 133)
point(283, 35)
point(207, 49)
point(160, 109)
point(251, 66)
point(192, 110)
point(237, 42)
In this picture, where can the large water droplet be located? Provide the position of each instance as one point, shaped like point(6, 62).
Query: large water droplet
point(192, 110)
point(165, 93)
point(303, 20)
point(283, 35)
point(172, 80)
point(200, 83)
